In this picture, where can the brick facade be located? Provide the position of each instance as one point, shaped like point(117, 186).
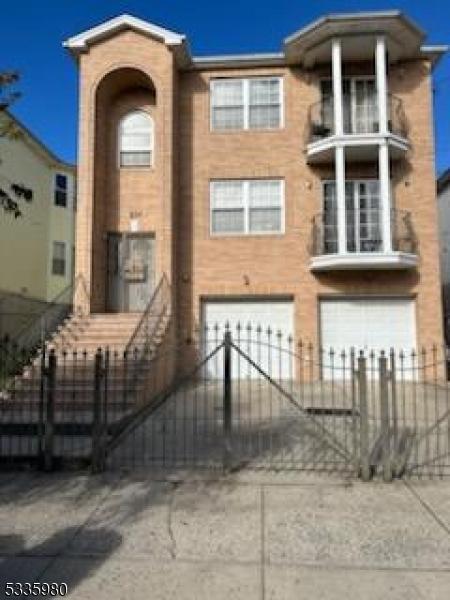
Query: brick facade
point(171, 199)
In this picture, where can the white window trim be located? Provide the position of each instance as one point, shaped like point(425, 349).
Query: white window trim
point(247, 232)
point(66, 259)
point(67, 190)
point(119, 142)
point(246, 103)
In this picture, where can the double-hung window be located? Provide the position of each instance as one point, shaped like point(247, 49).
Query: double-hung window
point(60, 190)
point(136, 140)
point(247, 206)
point(59, 259)
point(254, 103)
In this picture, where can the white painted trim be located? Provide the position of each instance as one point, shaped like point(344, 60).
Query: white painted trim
point(81, 41)
point(275, 59)
point(246, 100)
point(381, 78)
point(338, 110)
point(339, 18)
point(340, 198)
point(245, 205)
point(364, 260)
point(270, 59)
point(360, 139)
point(385, 195)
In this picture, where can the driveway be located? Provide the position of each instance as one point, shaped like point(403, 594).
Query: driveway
point(244, 536)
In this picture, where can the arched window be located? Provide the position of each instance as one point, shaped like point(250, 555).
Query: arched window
point(136, 140)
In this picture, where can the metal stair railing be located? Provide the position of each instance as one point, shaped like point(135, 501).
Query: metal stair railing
point(43, 325)
point(157, 308)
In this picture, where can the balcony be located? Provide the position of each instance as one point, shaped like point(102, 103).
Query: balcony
point(361, 131)
point(365, 244)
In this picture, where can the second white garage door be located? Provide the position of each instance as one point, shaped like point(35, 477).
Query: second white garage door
point(368, 324)
point(276, 314)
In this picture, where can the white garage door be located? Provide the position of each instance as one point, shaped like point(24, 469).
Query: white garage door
point(368, 324)
point(276, 314)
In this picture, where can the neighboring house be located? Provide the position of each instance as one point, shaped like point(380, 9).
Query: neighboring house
point(443, 198)
point(292, 189)
point(36, 248)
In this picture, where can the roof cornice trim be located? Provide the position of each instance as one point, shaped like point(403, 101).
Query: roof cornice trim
point(434, 52)
point(355, 16)
point(238, 60)
point(80, 42)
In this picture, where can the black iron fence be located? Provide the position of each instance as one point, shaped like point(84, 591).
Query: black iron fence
point(242, 397)
point(324, 234)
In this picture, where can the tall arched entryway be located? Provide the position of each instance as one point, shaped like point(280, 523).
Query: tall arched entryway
point(127, 188)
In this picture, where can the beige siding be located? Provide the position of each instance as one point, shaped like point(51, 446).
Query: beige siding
point(25, 243)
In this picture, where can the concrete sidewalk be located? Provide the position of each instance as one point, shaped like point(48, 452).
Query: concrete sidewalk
point(246, 536)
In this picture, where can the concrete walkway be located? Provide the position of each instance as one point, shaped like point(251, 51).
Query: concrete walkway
point(246, 536)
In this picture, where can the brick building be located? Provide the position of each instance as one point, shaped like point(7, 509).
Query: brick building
point(294, 189)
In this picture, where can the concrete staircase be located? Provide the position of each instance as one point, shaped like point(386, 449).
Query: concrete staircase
point(85, 334)
point(77, 397)
point(75, 343)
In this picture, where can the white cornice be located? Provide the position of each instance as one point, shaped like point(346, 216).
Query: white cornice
point(364, 260)
point(238, 60)
point(352, 17)
point(80, 42)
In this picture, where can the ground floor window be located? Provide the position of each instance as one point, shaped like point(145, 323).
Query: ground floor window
point(59, 259)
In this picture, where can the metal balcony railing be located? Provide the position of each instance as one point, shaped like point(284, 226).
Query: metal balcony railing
point(324, 235)
point(358, 119)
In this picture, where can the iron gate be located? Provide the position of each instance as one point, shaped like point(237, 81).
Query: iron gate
point(254, 399)
point(248, 416)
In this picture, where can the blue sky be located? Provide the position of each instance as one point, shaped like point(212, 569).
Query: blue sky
point(33, 30)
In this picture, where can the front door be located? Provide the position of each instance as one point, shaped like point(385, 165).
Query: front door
point(131, 276)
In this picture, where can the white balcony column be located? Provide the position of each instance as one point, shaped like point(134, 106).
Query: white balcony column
point(339, 166)
point(381, 76)
point(336, 66)
point(385, 196)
